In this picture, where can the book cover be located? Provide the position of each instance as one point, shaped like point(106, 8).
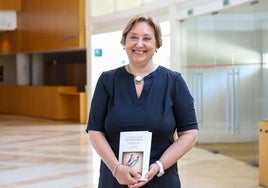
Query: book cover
point(135, 149)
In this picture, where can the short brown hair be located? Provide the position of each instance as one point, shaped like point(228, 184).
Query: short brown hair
point(143, 18)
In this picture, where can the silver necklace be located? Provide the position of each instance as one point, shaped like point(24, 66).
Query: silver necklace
point(137, 79)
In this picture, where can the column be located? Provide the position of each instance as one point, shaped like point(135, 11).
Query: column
point(37, 69)
point(23, 69)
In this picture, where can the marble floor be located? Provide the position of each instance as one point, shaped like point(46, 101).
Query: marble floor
point(44, 153)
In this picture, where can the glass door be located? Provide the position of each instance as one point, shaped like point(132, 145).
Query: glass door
point(222, 61)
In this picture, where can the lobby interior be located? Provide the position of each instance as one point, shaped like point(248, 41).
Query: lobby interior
point(222, 54)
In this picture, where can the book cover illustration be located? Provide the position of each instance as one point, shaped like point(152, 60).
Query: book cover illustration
point(134, 150)
point(133, 160)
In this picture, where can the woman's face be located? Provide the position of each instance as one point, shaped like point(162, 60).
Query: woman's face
point(140, 43)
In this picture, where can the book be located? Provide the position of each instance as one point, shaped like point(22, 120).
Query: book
point(135, 150)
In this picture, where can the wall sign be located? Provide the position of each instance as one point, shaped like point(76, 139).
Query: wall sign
point(98, 52)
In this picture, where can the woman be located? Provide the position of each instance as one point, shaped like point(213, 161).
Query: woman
point(142, 96)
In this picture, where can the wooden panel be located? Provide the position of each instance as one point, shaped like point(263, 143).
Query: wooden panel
point(10, 5)
point(61, 103)
point(45, 26)
point(83, 107)
point(10, 42)
point(51, 25)
point(263, 153)
point(76, 75)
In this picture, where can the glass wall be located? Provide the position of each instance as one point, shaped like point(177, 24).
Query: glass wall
point(223, 63)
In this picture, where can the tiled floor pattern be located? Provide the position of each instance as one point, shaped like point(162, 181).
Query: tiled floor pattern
point(44, 153)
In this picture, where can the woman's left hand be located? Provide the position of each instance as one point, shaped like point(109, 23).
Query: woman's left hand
point(153, 170)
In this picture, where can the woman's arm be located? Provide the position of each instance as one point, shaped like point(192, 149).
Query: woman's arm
point(124, 174)
point(102, 147)
point(186, 140)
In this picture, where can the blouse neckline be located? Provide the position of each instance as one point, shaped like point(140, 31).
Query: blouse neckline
point(151, 75)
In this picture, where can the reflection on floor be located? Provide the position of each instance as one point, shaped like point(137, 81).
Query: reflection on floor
point(44, 153)
point(243, 151)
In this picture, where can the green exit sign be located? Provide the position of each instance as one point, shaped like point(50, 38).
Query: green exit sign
point(98, 52)
point(225, 2)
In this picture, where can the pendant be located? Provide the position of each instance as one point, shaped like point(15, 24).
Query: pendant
point(138, 80)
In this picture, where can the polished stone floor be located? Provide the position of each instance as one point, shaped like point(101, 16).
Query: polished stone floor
point(44, 153)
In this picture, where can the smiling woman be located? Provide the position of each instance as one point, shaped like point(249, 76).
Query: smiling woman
point(142, 96)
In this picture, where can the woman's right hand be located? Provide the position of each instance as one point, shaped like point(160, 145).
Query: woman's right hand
point(126, 175)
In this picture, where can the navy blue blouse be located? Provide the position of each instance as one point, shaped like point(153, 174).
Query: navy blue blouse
point(165, 106)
